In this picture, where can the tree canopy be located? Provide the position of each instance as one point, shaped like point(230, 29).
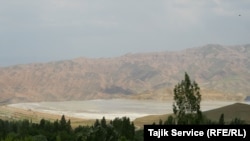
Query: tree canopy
point(187, 98)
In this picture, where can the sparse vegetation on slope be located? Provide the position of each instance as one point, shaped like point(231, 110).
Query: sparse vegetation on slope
point(186, 110)
point(221, 71)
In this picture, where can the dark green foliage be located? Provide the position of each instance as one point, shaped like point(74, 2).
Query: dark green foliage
point(117, 129)
point(63, 123)
point(124, 127)
point(103, 122)
point(187, 99)
point(237, 121)
point(26, 130)
point(139, 135)
point(221, 120)
point(97, 123)
point(39, 138)
point(186, 107)
point(170, 120)
point(160, 122)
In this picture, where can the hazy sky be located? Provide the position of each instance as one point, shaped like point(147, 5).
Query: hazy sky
point(50, 30)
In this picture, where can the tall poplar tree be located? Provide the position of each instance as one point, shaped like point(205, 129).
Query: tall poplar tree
point(187, 99)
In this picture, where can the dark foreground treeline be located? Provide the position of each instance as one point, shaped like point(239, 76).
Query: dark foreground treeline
point(119, 129)
point(199, 119)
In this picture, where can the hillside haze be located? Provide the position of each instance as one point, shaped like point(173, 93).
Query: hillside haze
point(222, 72)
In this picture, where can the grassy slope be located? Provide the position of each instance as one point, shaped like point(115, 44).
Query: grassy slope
point(140, 122)
point(239, 110)
point(11, 113)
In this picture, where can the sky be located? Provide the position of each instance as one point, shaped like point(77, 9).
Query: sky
point(49, 30)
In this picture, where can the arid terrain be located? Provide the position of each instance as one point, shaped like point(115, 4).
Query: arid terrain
point(37, 111)
point(222, 72)
point(47, 90)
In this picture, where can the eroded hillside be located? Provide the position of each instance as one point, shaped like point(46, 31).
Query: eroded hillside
point(221, 71)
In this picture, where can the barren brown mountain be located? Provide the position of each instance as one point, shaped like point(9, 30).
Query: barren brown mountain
point(221, 72)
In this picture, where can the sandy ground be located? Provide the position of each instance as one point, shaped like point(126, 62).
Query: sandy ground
point(13, 113)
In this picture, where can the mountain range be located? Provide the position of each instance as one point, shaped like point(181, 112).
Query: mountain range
point(222, 72)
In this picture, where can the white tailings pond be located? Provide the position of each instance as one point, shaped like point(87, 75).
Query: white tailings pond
point(110, 109)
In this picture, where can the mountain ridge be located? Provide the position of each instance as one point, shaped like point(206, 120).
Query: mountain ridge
point(221, 71)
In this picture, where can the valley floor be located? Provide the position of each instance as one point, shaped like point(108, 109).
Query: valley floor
point(86, 112)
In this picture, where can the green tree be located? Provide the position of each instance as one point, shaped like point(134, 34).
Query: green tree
point(160, 122)
point(63, 123)
point(68, 126)
point(103, 122)
point(97, 123)
point(124, 127)
point(170, 120)
point(221, 120)
point(237, 121)
point(187, 100)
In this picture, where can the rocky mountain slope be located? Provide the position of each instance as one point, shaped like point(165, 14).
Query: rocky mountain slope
point(221, 72)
